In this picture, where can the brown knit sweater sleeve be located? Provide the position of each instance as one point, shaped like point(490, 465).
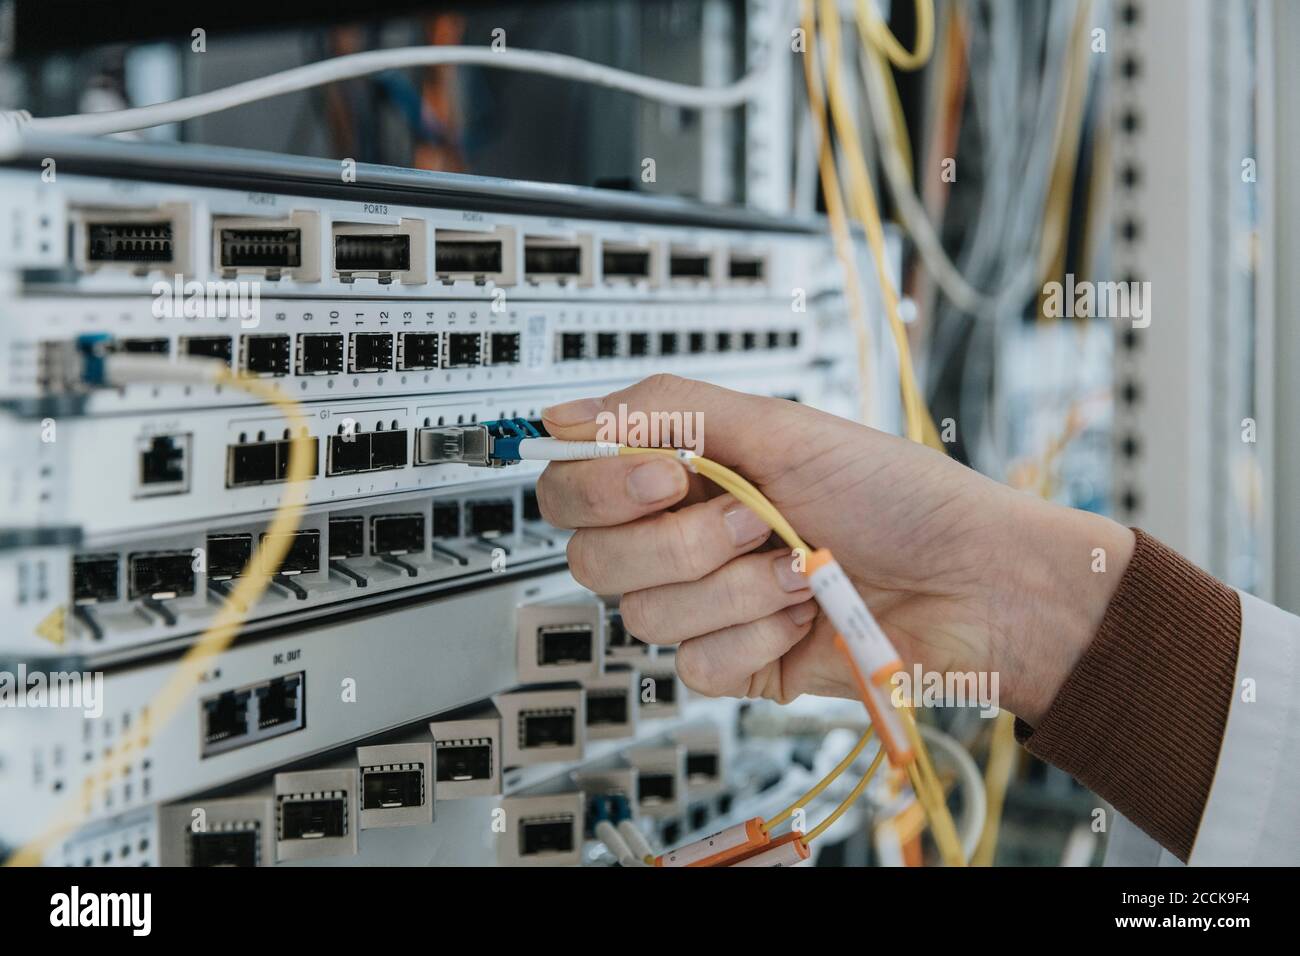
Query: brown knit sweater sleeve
point(1140, 719)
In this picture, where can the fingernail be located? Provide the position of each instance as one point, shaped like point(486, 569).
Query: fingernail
point(655, 480)
point(786, 575)
point(744, 525)
point(578, 412)
point(801, 614)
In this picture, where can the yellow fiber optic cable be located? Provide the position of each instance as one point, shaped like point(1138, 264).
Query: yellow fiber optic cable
point(848, 801)
point(220, 633)
point(884, 40)
point(825, 782)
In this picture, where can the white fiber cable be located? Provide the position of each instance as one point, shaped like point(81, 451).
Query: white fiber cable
point(376, 61)
point(636, 839)
point(125, 368)
point(553, 449)
point(609, 836)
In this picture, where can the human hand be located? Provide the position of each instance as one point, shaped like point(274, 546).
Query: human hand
point(962, 573)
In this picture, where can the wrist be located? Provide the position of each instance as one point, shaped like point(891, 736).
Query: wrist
point(1068, 565)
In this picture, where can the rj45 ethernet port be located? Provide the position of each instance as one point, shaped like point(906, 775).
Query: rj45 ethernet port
point(279, 703)
point(248, 715)
point(164, 466)
point(94, 578)
point(226, 716)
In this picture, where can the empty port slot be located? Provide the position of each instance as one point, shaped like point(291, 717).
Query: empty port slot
point(446, 519)
point(224, 848)
point(158, 346)
point(94, 578)
point(688, 265)
point(559, 644)
point(701, 766)
point(228, 555)
point(774, 340)
point(532, 510)
point(491, 519)
point(347, 538)
point(255, 463)
point(699, 342)
point(225, 717)
point(546, 835)
point(638, 344)
point(261, 248)
point(208, 346)
point(279, 703)
point(654, 788)
point(792, 338)
point(606, 707)
point(625, 262)
point(368, 451)
point(417, 350)
point(392, 789)
point(749, 341)
point(150, 241)
point(617, 635)
point(546, 728)
point(164, 466)
point(161, 575)
point(607, 344)
point(320, 353)
point(722, 342)
point(573, 346)
point(745, 268)
point(308, 819)
point(463, 350)
point(669, 343)
point(379, 253)
point(503, 348)
point(397, 534)
point(370, 352)
point(698, 816)
point(265, 354)
point(466, 257)
point(461, 762)
point(388, 449)
point(303, 556)
point(543, 260)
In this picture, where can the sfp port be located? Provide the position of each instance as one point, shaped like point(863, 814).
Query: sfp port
point(150, 346)
point(463, 760)
point(749, 341)
point(228, 555)
point(227, 847)
point(477, 256)
point(656, 788)
point(320, 353)
point(462, 349)
point(397, 534)
point(559, 644)
point(701, 766)
point(388, 449)
point(606, 706)
point(161, 575)
point(392, 788)
point(370, 352)
point(490, 519)
point(560, 260)
point(543, 835)
point(261, 462)
point(367, 451)
point(638, 344)
point(265, 354)
point(208, 346)
point(378, 253)
point(547, 727)
point(416, 351)
point(307, 818)
point(572, 346)
point(267, 246)
point(446, 519)
point(625, 262)
point(136, 240)
point(774, 340)
point(722, 342)
point(94, 578)
point(607, 344)
point(618, 639)
point(302, 557)
point(503, 348)
point(746, 268)
point(347, 538)
point(689, 266)
point(668, 343)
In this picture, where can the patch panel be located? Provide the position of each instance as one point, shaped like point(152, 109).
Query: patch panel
point(467, 754)
point(541, 726)
point(396, 786)
point(541, 830)
point(316, 814)
point(560, 642)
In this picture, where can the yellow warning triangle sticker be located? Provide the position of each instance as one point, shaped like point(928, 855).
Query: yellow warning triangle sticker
point(52, 626)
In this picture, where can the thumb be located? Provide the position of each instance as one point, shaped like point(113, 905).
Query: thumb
point(732, 428)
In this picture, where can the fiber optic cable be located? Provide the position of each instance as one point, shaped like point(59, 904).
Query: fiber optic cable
point(773, 822)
